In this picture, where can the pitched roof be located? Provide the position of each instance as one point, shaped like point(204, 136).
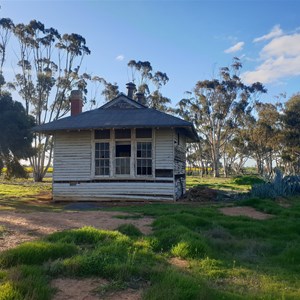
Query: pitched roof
point(121, 112)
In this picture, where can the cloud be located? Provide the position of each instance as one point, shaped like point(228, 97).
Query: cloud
point(275, 32)
point(280, 58)
point(120, 57)
point(237, 47)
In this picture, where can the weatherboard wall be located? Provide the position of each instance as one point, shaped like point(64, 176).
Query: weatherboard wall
point(72, 156)
point(73, 178)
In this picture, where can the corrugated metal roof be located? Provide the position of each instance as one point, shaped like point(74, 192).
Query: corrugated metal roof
point(111, 116)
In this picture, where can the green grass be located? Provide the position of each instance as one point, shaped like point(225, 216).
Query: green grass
point(23, 195)
point(227, 257)
point(240, 183)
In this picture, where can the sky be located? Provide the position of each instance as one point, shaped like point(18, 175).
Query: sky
point(188, 40)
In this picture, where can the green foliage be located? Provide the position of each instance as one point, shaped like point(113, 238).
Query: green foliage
point(8, 292)
point(130, 230)
point(148, 80)
point(217, 107)
point(15, 136)
point(280, 186)
point(35, 253)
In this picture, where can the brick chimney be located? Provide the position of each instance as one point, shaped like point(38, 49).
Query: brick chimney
point(76, 102)
point(131, 88)
point(141, 98)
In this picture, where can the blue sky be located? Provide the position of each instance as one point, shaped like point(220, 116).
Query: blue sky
point(189, 40)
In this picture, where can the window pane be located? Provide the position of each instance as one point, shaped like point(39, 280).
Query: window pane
point(123, 150)
point(123, 166)
point(102, 159)
point(102, 134)
point(144, 166)
point(123, 133)
point(144, 149)
point(143, 132)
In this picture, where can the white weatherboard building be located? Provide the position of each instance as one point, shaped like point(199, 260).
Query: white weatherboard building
point(120, 151)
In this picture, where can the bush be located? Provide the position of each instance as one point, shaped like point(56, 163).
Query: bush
point(280, 186)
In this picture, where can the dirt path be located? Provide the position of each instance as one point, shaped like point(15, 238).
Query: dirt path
point(21, 227)
point(245, 211)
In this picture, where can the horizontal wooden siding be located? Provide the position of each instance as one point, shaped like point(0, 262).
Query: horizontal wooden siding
point(72, 156)
point(97, 191)
point(164, 149)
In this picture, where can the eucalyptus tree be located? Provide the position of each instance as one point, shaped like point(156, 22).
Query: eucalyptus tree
point(150, 83)
point(6, 26)
point(47, 70)
point(291, 123)
point(15, 135)
point(218, 107)
point(110, 91)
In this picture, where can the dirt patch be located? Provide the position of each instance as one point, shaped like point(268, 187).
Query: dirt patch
point(245, 211)
point(22, 227)
point(179, 262)
point(200, 194)
point(84, 289)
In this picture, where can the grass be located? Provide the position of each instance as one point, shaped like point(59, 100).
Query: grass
point(239, 183)
point(226, 257)
point(23, 195)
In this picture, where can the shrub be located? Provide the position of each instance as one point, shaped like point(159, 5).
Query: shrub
point(279, 186)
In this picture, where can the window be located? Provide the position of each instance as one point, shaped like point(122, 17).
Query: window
point(102, 159)
point(123, 133)
point(143, 133)
point(123, 154)
point(102, 134)
point(144, 158)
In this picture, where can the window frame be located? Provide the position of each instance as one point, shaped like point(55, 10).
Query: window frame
point(133, 141)
point(101, 158)
point(148, 141)
point(145, 140)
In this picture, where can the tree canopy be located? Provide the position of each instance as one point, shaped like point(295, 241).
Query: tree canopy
point(218, 107)
point(15, 135)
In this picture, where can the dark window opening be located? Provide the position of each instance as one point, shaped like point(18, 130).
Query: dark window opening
point(123, 154)
point(123, 133)
point(102, 134)
point(163, 173)
point(123, 150)
point(143, 133)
